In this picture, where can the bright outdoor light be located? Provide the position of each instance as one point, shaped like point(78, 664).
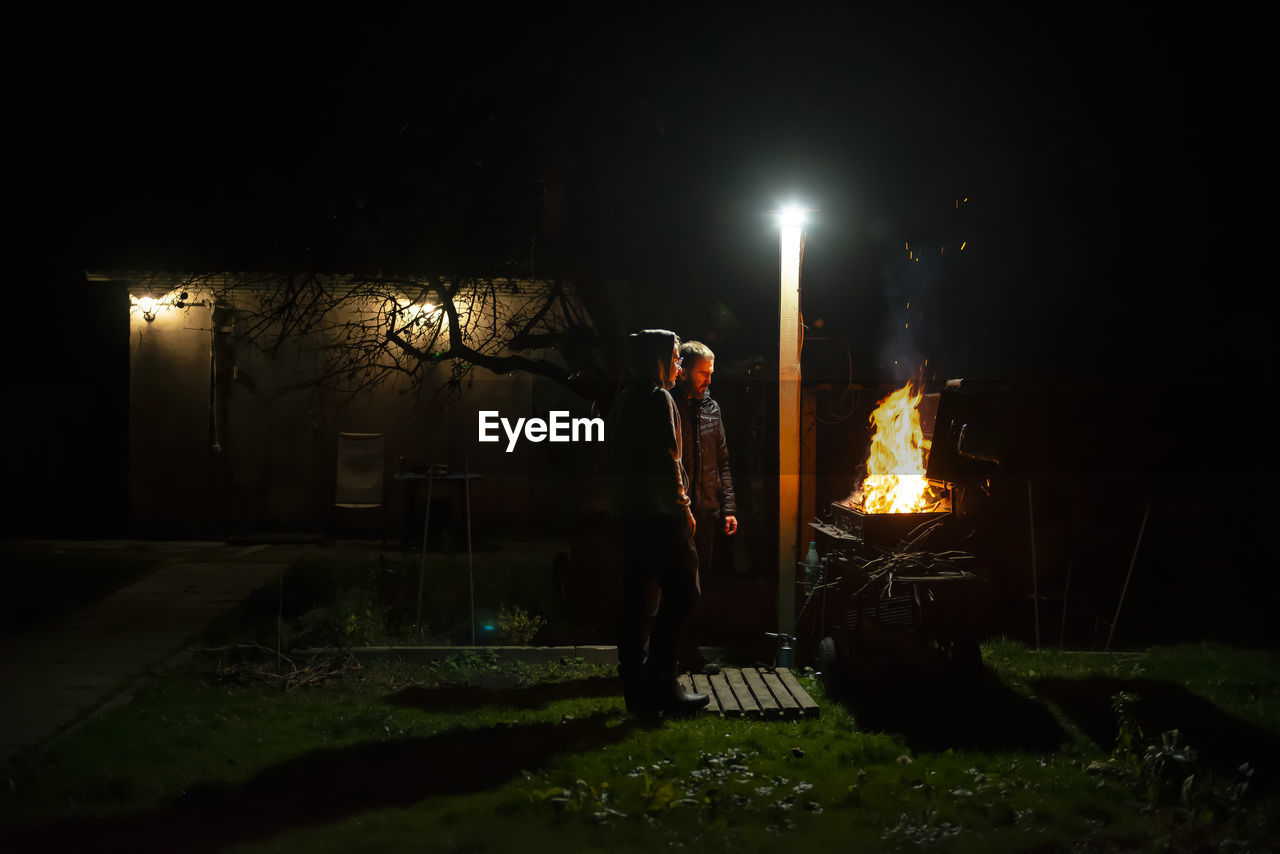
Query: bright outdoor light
point(791, 215)
point(411, 311)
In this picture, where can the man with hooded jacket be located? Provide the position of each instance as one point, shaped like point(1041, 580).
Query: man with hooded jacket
point(655, 527)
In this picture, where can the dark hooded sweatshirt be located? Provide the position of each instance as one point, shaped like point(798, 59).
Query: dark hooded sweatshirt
point(644, 434)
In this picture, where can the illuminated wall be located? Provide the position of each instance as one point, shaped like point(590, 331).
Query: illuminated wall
point(225, 439)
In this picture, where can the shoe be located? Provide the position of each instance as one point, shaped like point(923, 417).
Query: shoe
point(681, 702)
point(701, 665)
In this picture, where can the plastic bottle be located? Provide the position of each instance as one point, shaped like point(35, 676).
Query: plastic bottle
point(812, 567)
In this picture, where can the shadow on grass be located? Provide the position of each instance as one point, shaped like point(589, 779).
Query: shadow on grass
point(324, 786)
point(1221, 740)
point(932, 714)
point(462, 697)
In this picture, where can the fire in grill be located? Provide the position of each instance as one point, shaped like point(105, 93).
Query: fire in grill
point(897, 495)
point(896, 462)
point(887, 558)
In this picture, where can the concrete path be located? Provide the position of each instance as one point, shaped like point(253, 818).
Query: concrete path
point(57, 675)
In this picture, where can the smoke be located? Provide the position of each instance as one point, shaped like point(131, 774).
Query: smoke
point(910, 333)
point(899, 356)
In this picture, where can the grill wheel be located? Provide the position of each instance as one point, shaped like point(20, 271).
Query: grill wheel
point(831, 666)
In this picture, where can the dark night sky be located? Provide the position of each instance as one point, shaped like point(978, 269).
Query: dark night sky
point(1118, 168)
point(1112, 165)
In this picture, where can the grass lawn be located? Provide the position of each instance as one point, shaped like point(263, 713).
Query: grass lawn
point(472, 754)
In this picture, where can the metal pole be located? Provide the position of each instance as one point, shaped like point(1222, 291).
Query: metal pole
point(280, 618)
point(471, 576)
point(1127, 576)
point(1035, 584)
point(1062, 632)
point(422, 561)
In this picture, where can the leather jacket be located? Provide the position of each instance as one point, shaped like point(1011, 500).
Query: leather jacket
point(706, 457)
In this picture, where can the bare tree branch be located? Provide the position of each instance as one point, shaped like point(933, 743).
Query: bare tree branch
point(368, 331)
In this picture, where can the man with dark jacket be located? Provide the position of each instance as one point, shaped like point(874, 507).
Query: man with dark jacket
point(655, 527)
point(706, 463)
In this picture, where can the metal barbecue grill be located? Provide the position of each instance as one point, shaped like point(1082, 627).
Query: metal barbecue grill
point(899, 591)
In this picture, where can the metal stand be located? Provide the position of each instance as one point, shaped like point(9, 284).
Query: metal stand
point(430, 476)
point(1035, 582)
point(422, 562)
point(471, 576)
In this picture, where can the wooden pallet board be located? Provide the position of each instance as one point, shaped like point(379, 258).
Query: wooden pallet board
point(768, 705)
point(702, 685)
point(724, 695)
point(808, 708)
point(787, 704)
point(753, 692)
point(746, 701)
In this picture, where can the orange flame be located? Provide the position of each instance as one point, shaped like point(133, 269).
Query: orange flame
point(895, 481)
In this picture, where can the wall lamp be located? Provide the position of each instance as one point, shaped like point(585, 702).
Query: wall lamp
point(148, 304)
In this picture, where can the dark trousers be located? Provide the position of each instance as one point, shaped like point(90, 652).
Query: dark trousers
point(656, 550)
point(704, 540)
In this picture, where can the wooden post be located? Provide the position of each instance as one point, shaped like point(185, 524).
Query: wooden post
point(789, 342)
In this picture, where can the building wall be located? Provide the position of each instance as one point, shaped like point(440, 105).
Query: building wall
point(226, 439)
point(170, 459)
